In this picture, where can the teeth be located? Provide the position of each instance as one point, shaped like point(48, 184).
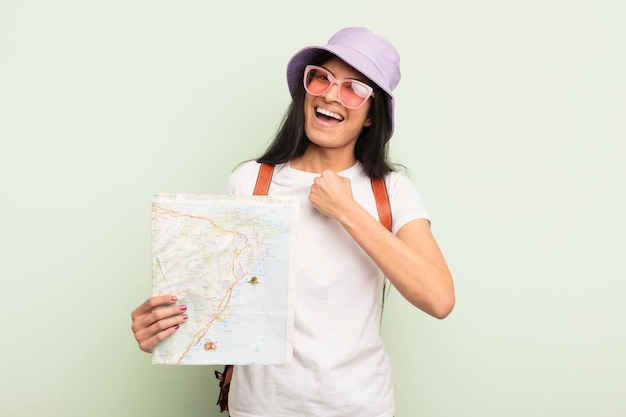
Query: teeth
point(329, 114)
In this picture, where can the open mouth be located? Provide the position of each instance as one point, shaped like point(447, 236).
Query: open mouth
point(328, 115)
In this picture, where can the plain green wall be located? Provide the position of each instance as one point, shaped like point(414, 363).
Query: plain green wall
point(510, 118)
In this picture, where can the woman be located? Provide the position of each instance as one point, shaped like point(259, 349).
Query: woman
point(332, 142)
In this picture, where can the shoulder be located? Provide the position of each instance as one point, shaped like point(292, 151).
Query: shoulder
point(398, 183)
point(241, 181)
point(405, 200)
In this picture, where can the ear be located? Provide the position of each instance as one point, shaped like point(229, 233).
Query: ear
point(370, 116)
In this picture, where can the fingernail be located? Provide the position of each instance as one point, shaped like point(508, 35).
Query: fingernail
point(173, 298)
point(183, 308)
point(185, 316)
point(176, 327)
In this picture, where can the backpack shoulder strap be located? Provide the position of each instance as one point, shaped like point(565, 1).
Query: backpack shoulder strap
point(382, 202)
point(264, 179)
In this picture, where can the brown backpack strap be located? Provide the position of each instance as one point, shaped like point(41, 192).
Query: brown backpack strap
point(224, 378)
point(264, 179)
point(382, 202)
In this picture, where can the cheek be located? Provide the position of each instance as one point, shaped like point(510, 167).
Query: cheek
point(360, 117)
point(308, 108)
point(363, 114)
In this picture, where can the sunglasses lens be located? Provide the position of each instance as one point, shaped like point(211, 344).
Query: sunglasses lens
point(318, 81)
point(352, 94)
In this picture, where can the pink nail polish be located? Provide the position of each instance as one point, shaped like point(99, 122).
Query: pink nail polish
point(176, 327)
point(185, 316)
point(173, 298)
point(183, 308)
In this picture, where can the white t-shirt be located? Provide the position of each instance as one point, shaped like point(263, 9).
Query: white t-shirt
point(340, 367)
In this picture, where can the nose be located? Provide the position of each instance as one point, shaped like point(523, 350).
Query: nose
point(332, 94)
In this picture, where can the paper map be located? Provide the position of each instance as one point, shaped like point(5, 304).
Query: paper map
point(229, 260)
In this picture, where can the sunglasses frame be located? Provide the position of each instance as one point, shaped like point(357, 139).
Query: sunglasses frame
point(333, 81)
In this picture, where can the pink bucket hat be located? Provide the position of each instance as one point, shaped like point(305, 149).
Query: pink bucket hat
point(362, 49)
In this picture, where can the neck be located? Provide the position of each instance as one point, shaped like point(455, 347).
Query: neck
point(317, 159)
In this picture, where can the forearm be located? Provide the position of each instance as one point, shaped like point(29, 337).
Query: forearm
point(411, 260)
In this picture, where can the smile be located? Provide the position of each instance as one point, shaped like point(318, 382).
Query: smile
point(328, 114)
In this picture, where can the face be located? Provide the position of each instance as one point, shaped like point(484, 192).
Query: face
point(327, 122)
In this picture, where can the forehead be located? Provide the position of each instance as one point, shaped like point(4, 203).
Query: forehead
point(339, 68)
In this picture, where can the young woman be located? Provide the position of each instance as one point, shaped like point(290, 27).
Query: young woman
point(332, 142)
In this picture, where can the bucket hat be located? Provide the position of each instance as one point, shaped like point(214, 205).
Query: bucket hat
point(370, 54)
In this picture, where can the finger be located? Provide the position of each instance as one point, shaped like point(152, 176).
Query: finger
point(149, 344)
point(150, 336)
point(151, 303)
point(328, 174)
point(317, 181)
point(155, 315)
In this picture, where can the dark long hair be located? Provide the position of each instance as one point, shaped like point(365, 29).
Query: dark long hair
point(371, 148)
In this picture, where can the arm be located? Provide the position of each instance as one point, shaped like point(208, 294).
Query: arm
point(411, 260)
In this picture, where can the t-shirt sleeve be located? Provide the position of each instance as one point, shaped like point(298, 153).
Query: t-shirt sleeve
point(241, 181)
point(406, 202)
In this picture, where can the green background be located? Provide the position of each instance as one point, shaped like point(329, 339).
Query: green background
point(510, 119)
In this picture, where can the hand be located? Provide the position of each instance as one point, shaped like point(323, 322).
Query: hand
point(331, 194)
point(156, 319)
